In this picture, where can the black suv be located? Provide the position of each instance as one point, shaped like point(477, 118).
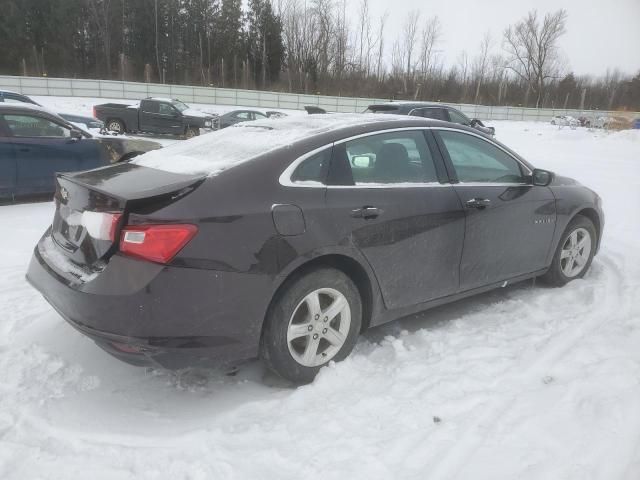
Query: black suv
point(436, 111)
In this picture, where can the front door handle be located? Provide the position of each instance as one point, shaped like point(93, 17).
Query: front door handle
point(24, 149)
point(479, 203)
point(366, 212)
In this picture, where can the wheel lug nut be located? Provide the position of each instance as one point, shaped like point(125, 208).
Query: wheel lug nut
point(315, 336)
point(310, 327)
point(326, 319)
point(316, 317)
point(324, 331)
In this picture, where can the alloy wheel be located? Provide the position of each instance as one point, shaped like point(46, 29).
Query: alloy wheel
point(575, 252)
point(318, 327)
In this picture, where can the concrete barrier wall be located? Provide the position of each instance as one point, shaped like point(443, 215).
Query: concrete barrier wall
point(66, 87)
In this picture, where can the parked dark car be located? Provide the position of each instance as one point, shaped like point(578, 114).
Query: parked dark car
point(289, 245)
point(436, 111)
point(35, 144)
point(239, 116)
point(314, 110)
point(154, 115)
point(88, 122)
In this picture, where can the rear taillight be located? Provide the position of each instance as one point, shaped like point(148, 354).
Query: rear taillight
point(156, 243)
point(93, 112)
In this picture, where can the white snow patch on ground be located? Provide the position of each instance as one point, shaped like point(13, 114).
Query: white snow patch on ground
point(522, 383)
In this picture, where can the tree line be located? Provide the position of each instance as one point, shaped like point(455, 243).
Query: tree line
point(313, 46)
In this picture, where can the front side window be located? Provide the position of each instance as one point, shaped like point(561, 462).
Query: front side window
point(243, 115)
point(457, 117)
point(258, 116)
point(166, 109)
point(387, 158)
point(476, 160)
point(32, 126)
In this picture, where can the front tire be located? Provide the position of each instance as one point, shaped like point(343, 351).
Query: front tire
point(574, 253)
point(316, 319)
point(191, 132)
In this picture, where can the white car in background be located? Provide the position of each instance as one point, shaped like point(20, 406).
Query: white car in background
point(565, 121)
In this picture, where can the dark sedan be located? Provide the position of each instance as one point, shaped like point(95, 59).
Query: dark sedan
point(239, 116)
point(35, 144)
point(86, 121)
point(286, 238)
point(436, 111)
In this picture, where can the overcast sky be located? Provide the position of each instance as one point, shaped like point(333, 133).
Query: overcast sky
point(600, 34)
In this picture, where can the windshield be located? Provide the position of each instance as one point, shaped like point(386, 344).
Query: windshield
point(179, 105)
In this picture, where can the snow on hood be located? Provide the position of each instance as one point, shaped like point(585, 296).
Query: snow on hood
point(214, 152)
point(192, 112)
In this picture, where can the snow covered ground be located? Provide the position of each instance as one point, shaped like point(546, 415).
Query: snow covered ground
point(522, 383)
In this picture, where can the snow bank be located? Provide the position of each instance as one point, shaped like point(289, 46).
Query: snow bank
point(214, 152)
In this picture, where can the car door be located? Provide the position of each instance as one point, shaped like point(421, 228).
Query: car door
point(7, 164)
point(42, 148)
point(169, 120)
point(389, 197)
point(509, 221)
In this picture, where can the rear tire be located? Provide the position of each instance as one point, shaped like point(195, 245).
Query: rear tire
point(314, 320)
point(116, 125)
point(574, 253)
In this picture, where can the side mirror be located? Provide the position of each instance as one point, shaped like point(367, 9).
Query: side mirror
point(475, 121)
point(75, 134)
point(541, 178)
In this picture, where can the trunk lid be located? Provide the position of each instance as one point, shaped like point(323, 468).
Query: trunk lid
point(91, 207)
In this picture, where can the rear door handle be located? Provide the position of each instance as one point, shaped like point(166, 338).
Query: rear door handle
point(24, 149)
point(366, 212)
point(478, 203)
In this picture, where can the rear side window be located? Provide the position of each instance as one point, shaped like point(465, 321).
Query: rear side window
point(435, 113)
point(393, 158)
point(313, 170)
point(476, 160)
point(150, 107)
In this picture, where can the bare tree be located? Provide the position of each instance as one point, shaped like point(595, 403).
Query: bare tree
point(481, 64)
point(429, 39)
point(463, 65)
point(532, 47)
point(408, 44)
point(99, 10)
point(383, 21)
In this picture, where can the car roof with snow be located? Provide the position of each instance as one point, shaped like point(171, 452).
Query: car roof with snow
point(214, 152)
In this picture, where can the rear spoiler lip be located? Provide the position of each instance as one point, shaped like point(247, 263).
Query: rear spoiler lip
point(156, 191)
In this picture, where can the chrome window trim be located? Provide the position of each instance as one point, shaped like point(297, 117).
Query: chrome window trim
point(285, 177)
